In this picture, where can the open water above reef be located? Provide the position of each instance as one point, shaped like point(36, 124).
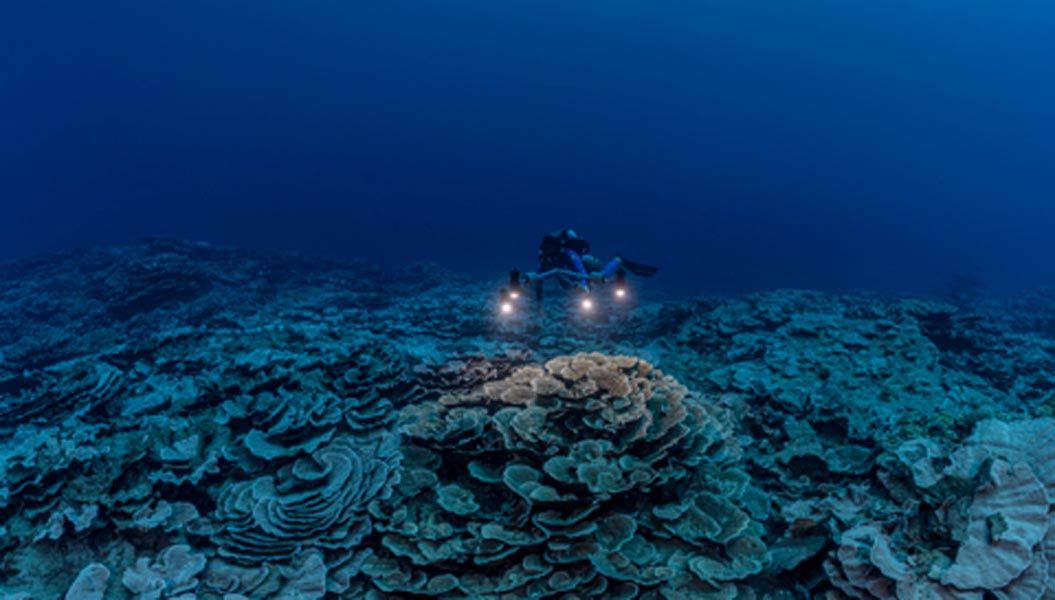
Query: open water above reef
point(179, 420)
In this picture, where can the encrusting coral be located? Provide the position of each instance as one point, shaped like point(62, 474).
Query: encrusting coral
point(975, 521)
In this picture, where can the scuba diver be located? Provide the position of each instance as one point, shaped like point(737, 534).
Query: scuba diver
point(566, 257)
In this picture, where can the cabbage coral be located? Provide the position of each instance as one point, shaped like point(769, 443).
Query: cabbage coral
point(592, 473)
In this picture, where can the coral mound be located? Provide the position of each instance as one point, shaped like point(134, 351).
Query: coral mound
point(592, 473)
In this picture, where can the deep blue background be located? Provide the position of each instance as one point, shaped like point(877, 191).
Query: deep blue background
point(738, 143)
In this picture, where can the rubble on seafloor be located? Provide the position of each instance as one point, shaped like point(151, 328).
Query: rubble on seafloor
point(179, 420)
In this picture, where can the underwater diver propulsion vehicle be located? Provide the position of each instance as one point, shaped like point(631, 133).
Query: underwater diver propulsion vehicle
point(513, 296)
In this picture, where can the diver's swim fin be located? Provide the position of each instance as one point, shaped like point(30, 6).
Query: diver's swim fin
point(641, 270)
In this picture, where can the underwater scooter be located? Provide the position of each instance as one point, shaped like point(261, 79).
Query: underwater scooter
point(512, 296)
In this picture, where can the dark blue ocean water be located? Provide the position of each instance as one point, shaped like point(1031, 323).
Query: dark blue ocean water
point(739, 144)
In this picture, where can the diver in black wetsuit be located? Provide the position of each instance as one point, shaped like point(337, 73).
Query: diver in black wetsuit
point(569, 255)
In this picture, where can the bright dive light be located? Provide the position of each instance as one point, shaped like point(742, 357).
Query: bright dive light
point(514, 294)
point(587, 304)
point(506, 308)
point(620, 293)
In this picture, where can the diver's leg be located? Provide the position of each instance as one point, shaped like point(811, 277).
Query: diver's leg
point(576, 261)
point(609, 269)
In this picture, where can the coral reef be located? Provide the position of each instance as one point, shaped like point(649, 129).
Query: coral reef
point(180, 420)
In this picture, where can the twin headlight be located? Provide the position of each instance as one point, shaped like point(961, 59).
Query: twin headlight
point(507, 302)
